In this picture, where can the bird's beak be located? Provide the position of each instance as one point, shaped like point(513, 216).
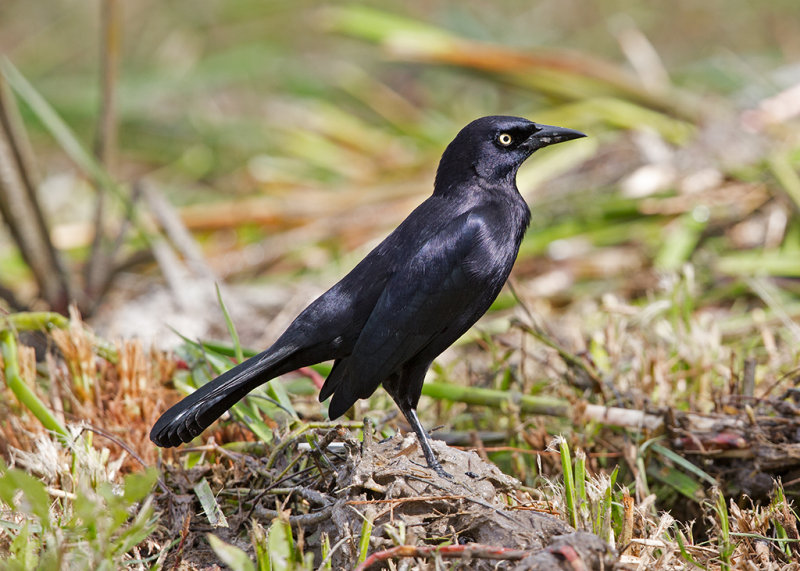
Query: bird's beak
point(550, 135)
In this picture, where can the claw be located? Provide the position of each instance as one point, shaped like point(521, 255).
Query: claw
point(425, 443)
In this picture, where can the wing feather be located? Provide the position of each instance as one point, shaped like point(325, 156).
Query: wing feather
point(440, 291)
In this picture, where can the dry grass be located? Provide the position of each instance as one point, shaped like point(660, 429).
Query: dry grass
point(659, 278)
point(660, 356)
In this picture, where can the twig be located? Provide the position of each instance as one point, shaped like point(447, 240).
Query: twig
point(285, 475)
point(99, 264)
point(127, 449)
point(333, 550)
point(477, 443)
point(469, 551)
point(549, 406)
point(21, 210)
point(749, 377)
point(319, 448)
point(296, 520)
point(184, 535)
point(169, 219)
point(309, 494)
point(393, 501)
point(106, 134)
point(116, 267)
point(14, 304)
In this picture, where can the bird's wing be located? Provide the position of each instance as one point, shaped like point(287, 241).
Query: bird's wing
point(440, 291)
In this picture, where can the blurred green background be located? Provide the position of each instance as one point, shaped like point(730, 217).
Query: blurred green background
point(206, 86)
point(317, 110)
point(660, 271)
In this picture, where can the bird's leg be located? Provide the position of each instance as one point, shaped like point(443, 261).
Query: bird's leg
point(424, 442)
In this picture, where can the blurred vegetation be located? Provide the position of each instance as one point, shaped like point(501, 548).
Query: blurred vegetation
point(218, 102)
point(659, 274)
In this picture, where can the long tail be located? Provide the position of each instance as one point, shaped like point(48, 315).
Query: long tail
point(196, 412)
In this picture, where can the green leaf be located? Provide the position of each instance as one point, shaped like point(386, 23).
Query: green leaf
point(682, 462)
point(138, 486)
point(237, 346)
point(36, 502)
point(677, 480)
point(683, 239)
point(231, 555)
point(258, 537)
point(210, 506)
point(25, 548)
point(21, 390)
point(137, 530)
point(569, 483)
point(281, 545)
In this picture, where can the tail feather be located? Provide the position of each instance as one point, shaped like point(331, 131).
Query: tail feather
point(196, 412)
point(341, 390)
point(345, 387)
point(332, 381)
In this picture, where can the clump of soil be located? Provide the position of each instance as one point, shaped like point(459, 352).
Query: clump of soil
point(480, 512)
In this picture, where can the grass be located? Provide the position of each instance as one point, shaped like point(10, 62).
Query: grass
point(651, 322)
point(611, 498)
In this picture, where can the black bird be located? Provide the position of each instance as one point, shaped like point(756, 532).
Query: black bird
point(417, 292)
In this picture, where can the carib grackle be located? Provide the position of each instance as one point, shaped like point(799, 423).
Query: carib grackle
point(416, 293)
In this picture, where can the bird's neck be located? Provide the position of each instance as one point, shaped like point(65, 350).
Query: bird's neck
point(480, 192)
point(446, 184)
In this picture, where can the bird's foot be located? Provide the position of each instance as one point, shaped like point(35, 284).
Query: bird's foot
point(436, 467)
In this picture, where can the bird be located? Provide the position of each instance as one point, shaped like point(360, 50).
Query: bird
point(410, 298)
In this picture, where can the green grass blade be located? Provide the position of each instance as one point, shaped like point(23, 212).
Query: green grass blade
point(25, 394)
point(683, 463)
point(233, 557)
point(569, 484)
point(56, 126)
point(237, 346)
point(210, 506)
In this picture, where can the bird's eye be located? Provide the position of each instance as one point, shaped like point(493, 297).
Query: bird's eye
point(504, 139)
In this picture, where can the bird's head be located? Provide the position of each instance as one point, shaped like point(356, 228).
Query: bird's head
point(493, 148)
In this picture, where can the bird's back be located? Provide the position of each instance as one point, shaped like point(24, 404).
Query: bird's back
point(436, 291)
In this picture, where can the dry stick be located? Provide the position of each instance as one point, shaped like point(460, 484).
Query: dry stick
point(127, 449)
point(99, 264)
point(469, 498)
point(548, 406)
point(181, 545)
point(169, 219)
point(119, 241)
point(749, 377)
point(20, 208)
point(788, 376)
point(305, 427)
point(295, 520)
point(333, 550)
point(11, 299)
point(477, 443)
point(470, 551)
point(326, 440)
point(23, 151)
point(23, 154)
point(106, 134)
point(318, 449)
point(175, 270)
point(627, 522)
point(312, 496)
point(412, 499)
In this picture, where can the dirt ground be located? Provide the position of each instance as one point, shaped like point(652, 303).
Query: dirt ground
point(484, 516)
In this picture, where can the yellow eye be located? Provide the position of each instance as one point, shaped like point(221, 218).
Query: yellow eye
point(504, 139)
